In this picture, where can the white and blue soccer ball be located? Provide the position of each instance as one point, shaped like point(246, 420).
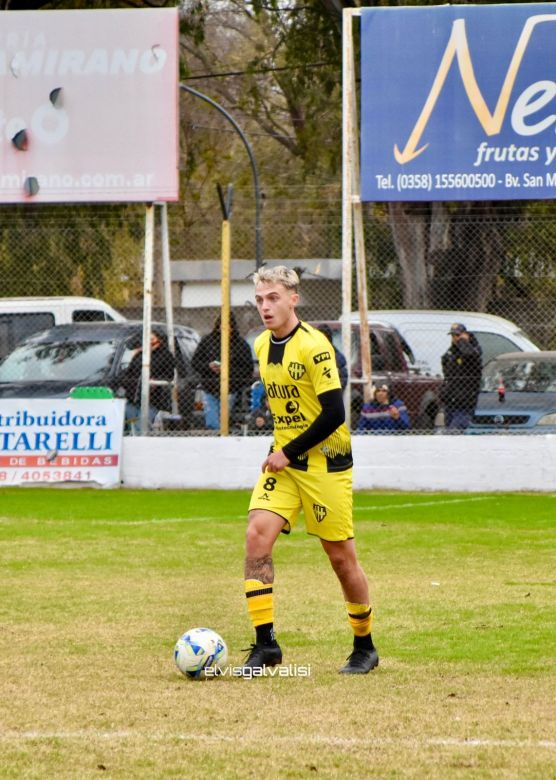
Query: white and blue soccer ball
point(200, 649)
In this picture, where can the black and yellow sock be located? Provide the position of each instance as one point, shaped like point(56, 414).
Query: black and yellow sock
point(360, 619)
point(260, 607)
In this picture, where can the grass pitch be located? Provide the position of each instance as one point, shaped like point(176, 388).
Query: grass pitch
point(96, 587)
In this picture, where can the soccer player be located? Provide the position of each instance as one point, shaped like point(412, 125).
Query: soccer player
point(309, 467)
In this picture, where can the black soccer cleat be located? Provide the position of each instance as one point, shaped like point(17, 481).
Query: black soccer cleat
point(361, 661)
point(259, 657)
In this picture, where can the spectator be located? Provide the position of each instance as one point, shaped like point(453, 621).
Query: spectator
point(383, 413)
point(162, 368)
point(260, 420)
point(461, 366)
point(341, 362)
point(206, 362)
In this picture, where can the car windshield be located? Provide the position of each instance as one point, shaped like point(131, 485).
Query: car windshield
point(520, 376)
point(59, 362)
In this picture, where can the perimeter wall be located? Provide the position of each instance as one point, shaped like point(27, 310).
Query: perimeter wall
point(450, 463)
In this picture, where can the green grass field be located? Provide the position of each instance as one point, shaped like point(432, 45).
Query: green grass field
point(96, 587)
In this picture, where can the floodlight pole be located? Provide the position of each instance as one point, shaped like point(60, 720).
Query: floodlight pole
point(258, 199)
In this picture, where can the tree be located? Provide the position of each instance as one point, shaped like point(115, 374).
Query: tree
point(290, 90)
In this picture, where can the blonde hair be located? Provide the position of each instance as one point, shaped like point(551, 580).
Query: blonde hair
point(277, 275)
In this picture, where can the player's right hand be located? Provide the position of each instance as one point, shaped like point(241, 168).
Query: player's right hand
point(276, 461)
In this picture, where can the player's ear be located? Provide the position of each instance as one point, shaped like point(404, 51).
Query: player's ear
point(295, 298)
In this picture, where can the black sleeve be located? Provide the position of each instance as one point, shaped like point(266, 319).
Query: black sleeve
point(470, 348)
point(167, 365)
point(331, 417)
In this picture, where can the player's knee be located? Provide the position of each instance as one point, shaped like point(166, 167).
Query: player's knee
point(259, 538)
point(342, 562)
point(342, 568)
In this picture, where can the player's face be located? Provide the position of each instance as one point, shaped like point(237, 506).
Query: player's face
point(276, 305)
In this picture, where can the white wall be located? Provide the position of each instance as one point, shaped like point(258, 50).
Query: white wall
point(452, 463)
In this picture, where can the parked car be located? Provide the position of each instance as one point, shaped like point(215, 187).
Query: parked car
point(425, 330)
point(391, 359)
point(21, 317)
point(518, 395)
point(51, 363)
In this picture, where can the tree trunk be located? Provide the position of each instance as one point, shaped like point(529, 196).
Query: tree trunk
point(449, 256)
point(465, 273)
point(409, 225)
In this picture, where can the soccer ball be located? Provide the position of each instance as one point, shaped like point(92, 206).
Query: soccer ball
point(200, 649)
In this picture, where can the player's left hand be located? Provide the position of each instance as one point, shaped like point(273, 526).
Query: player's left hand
point(276, 461)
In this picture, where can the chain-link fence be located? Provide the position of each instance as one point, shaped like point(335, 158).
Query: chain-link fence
point(490, 268)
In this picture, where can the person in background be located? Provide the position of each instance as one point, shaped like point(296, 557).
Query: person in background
point(462, 369)
point(383, 413)
point(207, 363)
point(260, 420)
point(341, 361)
point(162, 368)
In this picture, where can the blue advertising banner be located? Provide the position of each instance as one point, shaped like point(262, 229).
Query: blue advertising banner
point(458, 102)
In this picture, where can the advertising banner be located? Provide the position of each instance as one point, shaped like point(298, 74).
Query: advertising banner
point(88, 106)
point(458, 102)
point(61, 440)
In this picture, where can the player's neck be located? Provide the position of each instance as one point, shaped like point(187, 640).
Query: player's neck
point(287, 328)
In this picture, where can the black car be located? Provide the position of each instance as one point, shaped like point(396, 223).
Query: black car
point(51, 363)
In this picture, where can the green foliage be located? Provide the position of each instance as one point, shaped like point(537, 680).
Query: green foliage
point(70, 250)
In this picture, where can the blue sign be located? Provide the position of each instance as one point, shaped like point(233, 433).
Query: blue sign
point(458, 102)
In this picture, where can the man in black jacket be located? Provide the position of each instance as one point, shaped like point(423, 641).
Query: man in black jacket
point(162, 368)
point(461, 366)
point(206, 362)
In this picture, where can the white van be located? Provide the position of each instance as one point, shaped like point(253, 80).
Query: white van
point(20, 317)
point(426, 333)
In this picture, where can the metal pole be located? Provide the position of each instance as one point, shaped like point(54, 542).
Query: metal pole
point(258, 199)
point(166, 276)
point(147, 316)
point(225, 332)
point(360, 259)
point(348, 87)
point(225, 335)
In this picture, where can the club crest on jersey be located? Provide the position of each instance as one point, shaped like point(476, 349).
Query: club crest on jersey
point(319, 512)
point(321, 357)
point(296, 370)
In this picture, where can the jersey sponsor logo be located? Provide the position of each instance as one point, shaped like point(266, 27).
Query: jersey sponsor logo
point(264, 497)
point(274, 390)
point(321, 357)
point(292, 407)
point(320, 512)
point(288, 419)
point(327, 373)
point(296, 370)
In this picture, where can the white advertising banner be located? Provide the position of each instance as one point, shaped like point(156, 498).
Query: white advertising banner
point(89, 105)
point(61, 440)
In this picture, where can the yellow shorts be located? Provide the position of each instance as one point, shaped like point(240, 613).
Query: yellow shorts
point(326, 499)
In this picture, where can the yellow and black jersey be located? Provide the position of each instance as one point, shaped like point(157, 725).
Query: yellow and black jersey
point(295, 370)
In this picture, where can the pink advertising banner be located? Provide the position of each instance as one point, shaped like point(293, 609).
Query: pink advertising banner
point(89, 106)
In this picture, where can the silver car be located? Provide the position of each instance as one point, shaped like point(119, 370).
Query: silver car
point(518, 395)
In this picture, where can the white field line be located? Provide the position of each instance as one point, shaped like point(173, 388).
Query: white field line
point(197, 519)
point(414, 742)
point(415, 504)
